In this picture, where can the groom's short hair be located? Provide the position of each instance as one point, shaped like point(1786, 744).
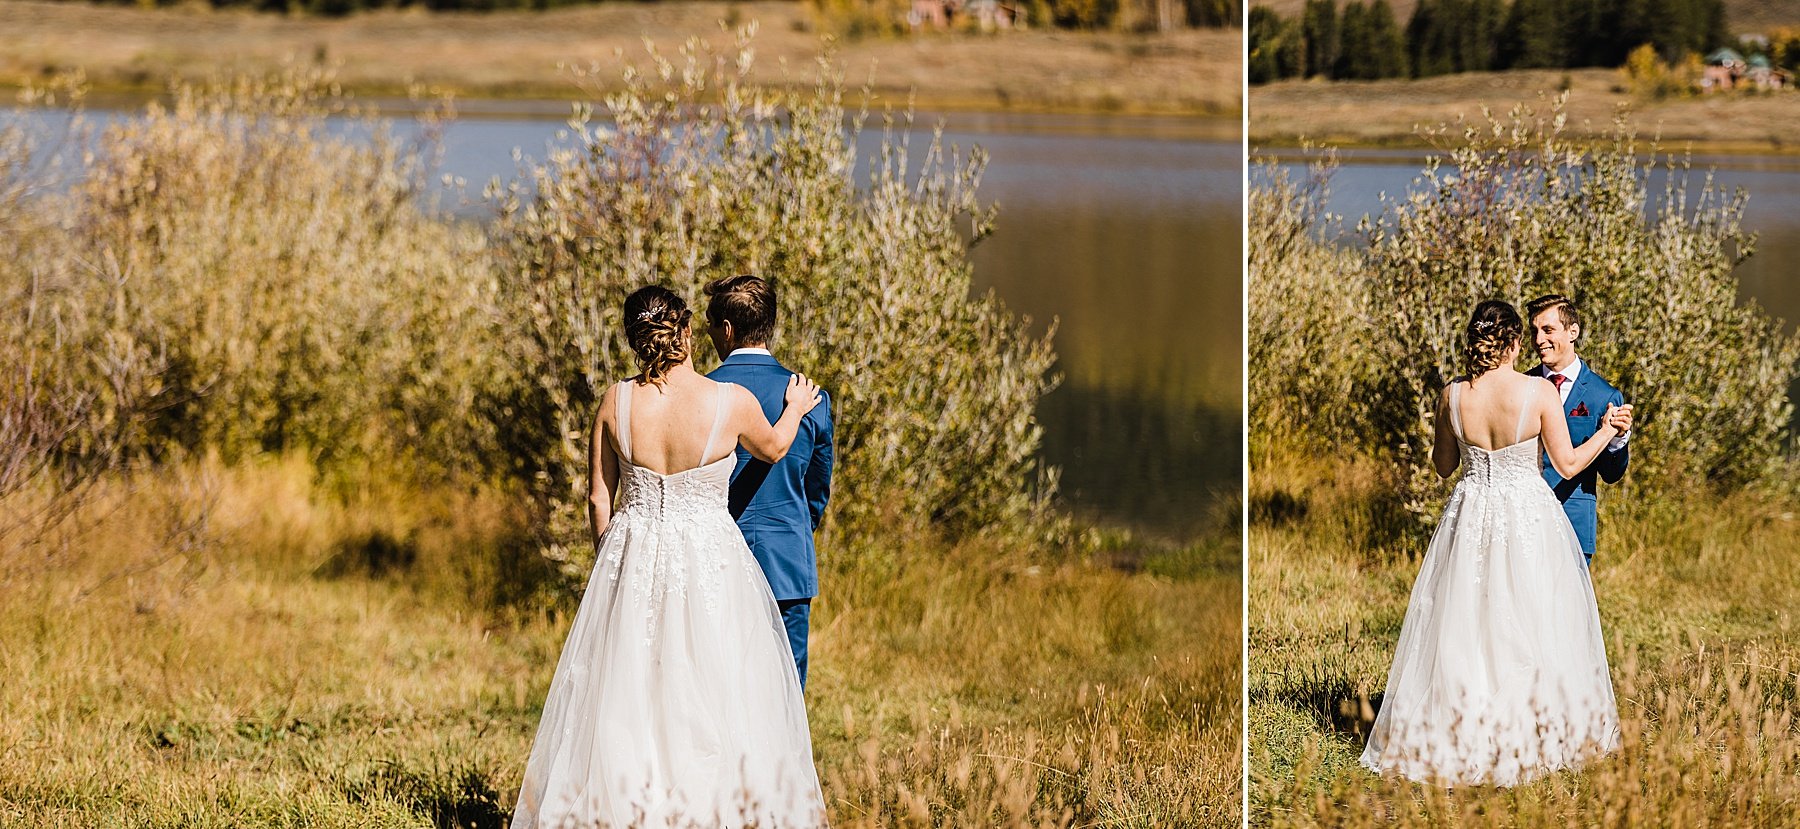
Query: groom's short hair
point(1565, 308)
point(747, 302)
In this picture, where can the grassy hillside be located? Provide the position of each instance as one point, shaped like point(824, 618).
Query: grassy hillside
point(517, 54)
point(1390, 113)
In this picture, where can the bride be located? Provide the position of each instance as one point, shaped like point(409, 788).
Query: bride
point(1501, 673)
point(675, 702)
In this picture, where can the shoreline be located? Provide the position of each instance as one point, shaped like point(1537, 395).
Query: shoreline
point(1390, 114)
point(1295, 148)
point(1152, 126)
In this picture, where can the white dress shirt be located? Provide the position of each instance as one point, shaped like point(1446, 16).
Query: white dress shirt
point(1572, 371)
point(750, 349)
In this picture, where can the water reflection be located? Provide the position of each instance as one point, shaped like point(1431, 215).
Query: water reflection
point(1159, 465)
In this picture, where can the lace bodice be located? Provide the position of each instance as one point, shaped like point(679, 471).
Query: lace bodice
point(645, 493)
point(1518, 463)
point(1513, 464)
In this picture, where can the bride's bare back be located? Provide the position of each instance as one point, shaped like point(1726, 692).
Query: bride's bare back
point(1496, 409)
point(671, 423)
point(684, 422)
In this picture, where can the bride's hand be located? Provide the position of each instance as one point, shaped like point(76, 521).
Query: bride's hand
point(802, 392)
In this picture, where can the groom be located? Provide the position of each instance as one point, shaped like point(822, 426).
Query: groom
point(778, 506)
point(1555, 328)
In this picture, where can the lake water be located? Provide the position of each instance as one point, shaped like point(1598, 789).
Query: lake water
point(1124, 229)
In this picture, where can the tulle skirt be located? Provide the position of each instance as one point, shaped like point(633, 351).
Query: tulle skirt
point(1500, 674)
point(676, 701)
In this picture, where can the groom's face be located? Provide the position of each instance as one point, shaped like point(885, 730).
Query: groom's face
point(1555, 340)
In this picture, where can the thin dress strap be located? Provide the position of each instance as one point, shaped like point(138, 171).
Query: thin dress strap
point(1456, 411)
point(623, 401)
point(1524, 414)
point(718, 422)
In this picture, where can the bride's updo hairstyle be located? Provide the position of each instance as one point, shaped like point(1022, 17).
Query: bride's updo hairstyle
point(1494, 329)
point(656, 326)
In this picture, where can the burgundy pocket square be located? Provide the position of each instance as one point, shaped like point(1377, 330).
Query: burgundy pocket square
point(1580, 410)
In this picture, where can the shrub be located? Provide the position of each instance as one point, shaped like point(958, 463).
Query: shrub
point(283, 273)
point(702, 174)
point(1307, 316)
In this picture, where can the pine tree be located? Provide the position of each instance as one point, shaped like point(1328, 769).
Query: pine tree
point(1275, 48)
point(1353, 42)
point(1478, 40)
point(1437, 37)
point(1533, 38)
point(1389, 55)
point(1319, 29)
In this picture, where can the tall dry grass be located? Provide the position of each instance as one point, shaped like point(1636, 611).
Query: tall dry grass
point(229, 645)
point(1695, 600)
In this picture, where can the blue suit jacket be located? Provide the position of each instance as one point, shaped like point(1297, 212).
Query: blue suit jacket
point(779, 506)
point(1577, 494)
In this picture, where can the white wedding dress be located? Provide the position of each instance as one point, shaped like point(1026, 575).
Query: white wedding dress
point(1501, 673)
point(676, 702)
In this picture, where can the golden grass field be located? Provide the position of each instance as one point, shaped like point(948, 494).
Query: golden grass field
point(1697, 601)
point(1392, 112)
point(1745, 15)
point(516, 54)
point(212, 646)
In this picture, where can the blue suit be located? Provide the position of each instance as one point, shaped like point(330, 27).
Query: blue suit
point(1589, 397)
point(778, 507)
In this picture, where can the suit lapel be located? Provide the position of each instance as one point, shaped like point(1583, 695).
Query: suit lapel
point(1583, 384)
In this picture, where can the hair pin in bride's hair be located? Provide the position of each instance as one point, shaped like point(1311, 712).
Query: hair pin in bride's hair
point(1486, 325)
point(646, 315)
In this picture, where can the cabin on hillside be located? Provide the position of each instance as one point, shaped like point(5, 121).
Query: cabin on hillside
point(1762, 74)
point(1726, 70)
point(986, 15)
point(1723, 69)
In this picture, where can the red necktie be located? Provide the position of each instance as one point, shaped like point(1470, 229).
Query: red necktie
point(1558, 380)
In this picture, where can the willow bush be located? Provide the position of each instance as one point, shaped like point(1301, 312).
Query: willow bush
point(281, 272)
point(702, 173)
point(1514, 209)
point(1307, 317)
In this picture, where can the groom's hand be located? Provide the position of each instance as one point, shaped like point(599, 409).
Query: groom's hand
point(1619, 417)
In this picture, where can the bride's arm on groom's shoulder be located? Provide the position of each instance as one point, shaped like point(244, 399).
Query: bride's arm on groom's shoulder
point(1444, 454)
point(603, 464)
point(769, 442)
point(1567, 458)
